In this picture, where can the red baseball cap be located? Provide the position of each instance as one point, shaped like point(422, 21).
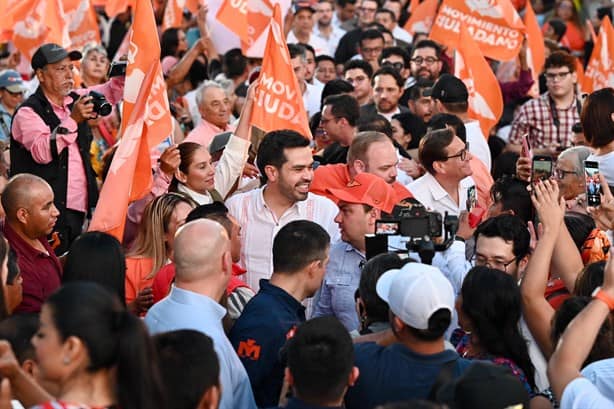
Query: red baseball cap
point(366, 188)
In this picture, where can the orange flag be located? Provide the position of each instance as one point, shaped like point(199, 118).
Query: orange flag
point(600, 69)
point(233, 14)
point(536, 49)
point(147, 121)
point(494, 25)
point(246, 18)
point(83, 24)
point(279, 101)
point(412, 5)
point(37, 22)
point(173, 13)
point(422, 16)
point(485, 98)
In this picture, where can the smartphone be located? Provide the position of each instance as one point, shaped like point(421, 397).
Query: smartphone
point(593, 183)
point(541, 168)
point(472, 198)
point(527, 151)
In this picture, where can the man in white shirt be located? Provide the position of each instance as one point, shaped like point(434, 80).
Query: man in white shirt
point(312, 94)
point(302, 29)
point(324, 27)
point(286, 165)
point(445, 186)
point(450, 96)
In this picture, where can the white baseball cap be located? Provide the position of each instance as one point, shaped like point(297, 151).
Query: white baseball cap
point(415, 292)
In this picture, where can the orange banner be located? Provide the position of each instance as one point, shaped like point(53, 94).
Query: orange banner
point(536, 50)
point(83, 24)
point(147, 121)
point(37, 22)
point(421, 19)
point(246, 18)
point(233, 14)
point(600, 70)
point(173, 13)
point(494, 25)
point(279, 101)
point(485, 98)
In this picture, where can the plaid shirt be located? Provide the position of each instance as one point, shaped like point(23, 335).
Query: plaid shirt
point(535, 117)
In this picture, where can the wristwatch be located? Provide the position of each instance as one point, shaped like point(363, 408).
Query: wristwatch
point(604, 297)
point(61, 130)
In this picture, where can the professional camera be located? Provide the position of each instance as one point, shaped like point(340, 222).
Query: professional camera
point(101, 105)
point(421, 231)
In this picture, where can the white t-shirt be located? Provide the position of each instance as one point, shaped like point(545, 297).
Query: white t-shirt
point(478, 145)
point(320, 46)
point(427, 190)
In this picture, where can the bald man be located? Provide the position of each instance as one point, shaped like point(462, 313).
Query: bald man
point(203, 264)
point(30, 216)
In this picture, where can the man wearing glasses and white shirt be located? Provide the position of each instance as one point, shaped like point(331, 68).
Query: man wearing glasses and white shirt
point(447, 184)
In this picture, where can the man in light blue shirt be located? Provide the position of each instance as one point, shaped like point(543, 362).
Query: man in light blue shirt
point(203, 267)
point(361, 203)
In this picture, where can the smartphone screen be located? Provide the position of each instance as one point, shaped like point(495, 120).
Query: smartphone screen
point(541, 169)
point(472, 198)
point(593, 183)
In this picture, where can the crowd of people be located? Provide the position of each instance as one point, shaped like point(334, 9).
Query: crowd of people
point(395, 258)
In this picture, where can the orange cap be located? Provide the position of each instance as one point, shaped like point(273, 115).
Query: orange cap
point(368, 189)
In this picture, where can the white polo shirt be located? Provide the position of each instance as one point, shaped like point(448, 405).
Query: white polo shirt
point(427, 190)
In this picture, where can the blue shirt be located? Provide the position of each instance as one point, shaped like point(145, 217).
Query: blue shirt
point(5, 124)
point(336, 295)
point(265, 324)
point(396, 373)
point(183, 309)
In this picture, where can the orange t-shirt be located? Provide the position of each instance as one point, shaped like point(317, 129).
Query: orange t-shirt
point(137, 269)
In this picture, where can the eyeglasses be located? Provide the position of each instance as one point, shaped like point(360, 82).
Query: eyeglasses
point(560, 173)
point(374, 50)
point(462, 154)
point(427, 60)
point(478, 260)
point(324, 121)
point(396, 65)
point(551, 76)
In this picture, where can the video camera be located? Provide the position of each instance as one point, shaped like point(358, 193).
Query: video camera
point(411, 220)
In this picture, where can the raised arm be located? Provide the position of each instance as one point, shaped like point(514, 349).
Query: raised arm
point(537, 311)
point(578, 339)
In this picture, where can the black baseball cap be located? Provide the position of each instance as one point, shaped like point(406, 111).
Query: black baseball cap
point(303, 5)
point(448, 88)
point(484, 386)
point(50, 54)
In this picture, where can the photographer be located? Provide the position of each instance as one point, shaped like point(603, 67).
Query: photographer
point(50, 137)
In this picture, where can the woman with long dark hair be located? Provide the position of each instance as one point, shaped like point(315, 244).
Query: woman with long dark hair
point(489, 309)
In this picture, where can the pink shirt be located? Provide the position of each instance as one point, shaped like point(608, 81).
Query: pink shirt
point(29, 129)
point(205, 131)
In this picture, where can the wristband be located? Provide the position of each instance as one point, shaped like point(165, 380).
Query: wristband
point(459, 238)
point(601, 295)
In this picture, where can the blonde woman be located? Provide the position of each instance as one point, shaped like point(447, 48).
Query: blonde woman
point(153, 247)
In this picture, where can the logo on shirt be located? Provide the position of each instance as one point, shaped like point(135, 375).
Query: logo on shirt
point(249, 349)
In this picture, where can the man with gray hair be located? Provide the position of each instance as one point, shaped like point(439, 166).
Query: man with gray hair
point(203, 266)
point(214, 107)
point(569, 173)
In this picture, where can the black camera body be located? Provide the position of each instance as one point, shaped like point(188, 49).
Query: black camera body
point(102, 107)
point(427, 232)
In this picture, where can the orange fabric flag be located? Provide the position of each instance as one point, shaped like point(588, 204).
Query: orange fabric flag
point(536, 50)
point(279, 101)
point(37, 22)
point(147, 121)
point(412, 5)
point(83, 24)
point(259, 14)
point(600, 70)
point(579, 72)
point(494, 25)
point(233, 14)
point(485, 98)
point(173, 13)
point(421, 18)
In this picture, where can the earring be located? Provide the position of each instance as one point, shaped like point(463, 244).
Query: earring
point(66, 360)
